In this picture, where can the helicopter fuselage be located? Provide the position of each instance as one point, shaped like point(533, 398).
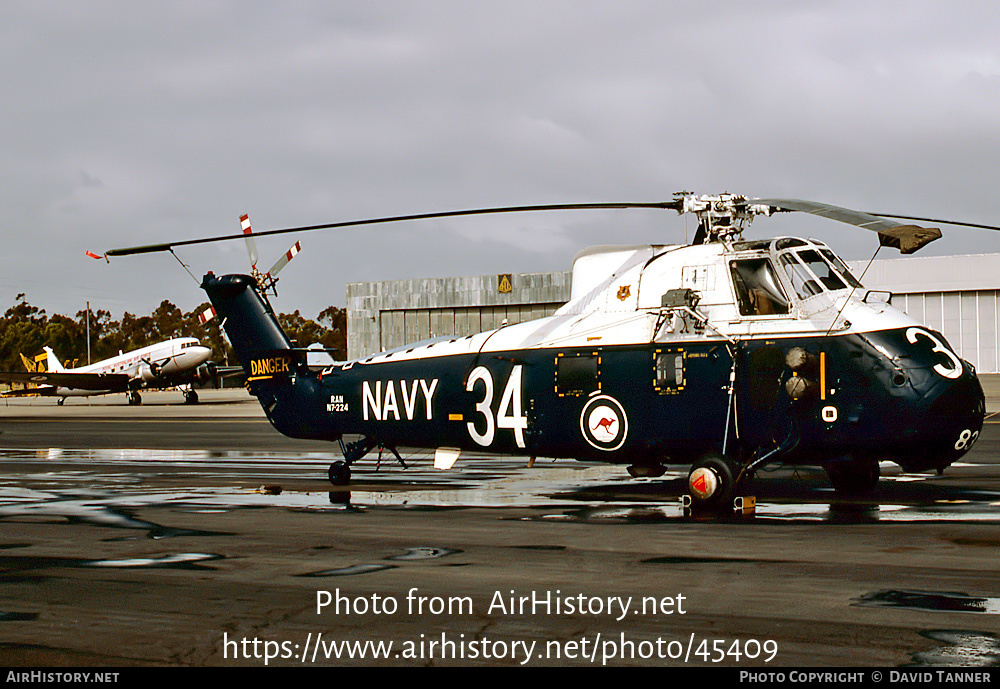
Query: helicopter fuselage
point(760, 351)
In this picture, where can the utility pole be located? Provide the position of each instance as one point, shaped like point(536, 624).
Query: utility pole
point(88, 333)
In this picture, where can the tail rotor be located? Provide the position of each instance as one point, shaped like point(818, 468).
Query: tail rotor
point(269, 280)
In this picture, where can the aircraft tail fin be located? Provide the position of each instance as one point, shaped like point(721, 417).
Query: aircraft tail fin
point(250, 323)
point(52, 363)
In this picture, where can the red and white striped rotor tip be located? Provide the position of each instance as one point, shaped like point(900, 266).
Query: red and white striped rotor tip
point(248, 237)
point(206, 315)
point(283, 261)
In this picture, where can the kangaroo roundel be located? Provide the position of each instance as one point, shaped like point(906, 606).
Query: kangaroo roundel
point(603, 423)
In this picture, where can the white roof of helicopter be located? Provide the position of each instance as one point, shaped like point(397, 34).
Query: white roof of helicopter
point(616, 300)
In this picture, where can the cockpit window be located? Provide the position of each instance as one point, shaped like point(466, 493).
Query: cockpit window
point(757, 290)
point(821, 269)
point(786, 242)
point(811, 271)
point(802, 280)
point(840, 267)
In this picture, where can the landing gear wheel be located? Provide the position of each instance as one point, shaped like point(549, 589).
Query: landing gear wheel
point(711, 482)
point(339, 473)
point(134, 398)
point(853, 477)
point(61, 401)
point(190, 397)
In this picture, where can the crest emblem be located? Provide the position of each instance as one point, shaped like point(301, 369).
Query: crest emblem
point(624, 292)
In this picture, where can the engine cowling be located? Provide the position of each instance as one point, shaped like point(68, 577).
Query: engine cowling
point(206, 372)
point(149, 372)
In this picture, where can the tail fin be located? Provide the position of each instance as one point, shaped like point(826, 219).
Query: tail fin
point(52, 364)
point(248, 319)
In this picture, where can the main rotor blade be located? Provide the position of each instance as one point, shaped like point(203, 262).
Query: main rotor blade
point(906, 238)
point(943, 222)
point(168, 246)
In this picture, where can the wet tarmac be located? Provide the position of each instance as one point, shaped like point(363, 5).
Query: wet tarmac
point(221, 543)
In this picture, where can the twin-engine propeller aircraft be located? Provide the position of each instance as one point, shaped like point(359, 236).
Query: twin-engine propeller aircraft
point(179, 362)
point(727, 354)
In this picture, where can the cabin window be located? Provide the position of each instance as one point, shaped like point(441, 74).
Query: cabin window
point(578, 374)
point(758, 292)
point(669, 366)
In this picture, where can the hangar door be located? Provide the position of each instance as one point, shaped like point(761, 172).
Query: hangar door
point(398, 327)
point(968, 320)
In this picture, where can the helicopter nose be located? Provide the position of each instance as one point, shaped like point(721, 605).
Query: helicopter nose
point(960, 411)
point(950, 425)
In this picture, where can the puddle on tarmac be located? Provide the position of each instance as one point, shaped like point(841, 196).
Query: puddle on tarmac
point(179, 560)
point(16, 563)
point(352, 570)
point(424, 554)
point(961, 649)
point(930, 600)
point(108, 488)
point(410, 554)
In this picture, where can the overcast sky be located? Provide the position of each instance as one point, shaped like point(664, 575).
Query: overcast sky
point(132, 123)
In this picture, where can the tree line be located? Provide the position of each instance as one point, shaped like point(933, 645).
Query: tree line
point(26, 329)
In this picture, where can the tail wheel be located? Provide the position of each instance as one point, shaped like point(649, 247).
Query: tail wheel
point(711, 481)
point(339, 473)
point(853, 476)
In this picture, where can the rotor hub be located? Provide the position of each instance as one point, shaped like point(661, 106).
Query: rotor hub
point(722, 217)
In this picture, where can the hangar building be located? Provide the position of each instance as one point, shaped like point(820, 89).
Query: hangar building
point(955, 295)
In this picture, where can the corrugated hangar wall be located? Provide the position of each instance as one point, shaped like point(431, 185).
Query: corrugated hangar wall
point(385, 315)
point(967, 319)
point(955, 295)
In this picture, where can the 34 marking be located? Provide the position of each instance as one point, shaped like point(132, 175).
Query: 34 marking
point(509, 416)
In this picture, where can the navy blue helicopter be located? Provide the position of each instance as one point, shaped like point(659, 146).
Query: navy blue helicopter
point(727, 355)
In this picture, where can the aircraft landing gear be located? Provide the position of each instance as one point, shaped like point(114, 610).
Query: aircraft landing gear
point(60, 401)
point(339, 473)
point(190, 397)
point(134, 398)
point(853, 476)
point(712, 483)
